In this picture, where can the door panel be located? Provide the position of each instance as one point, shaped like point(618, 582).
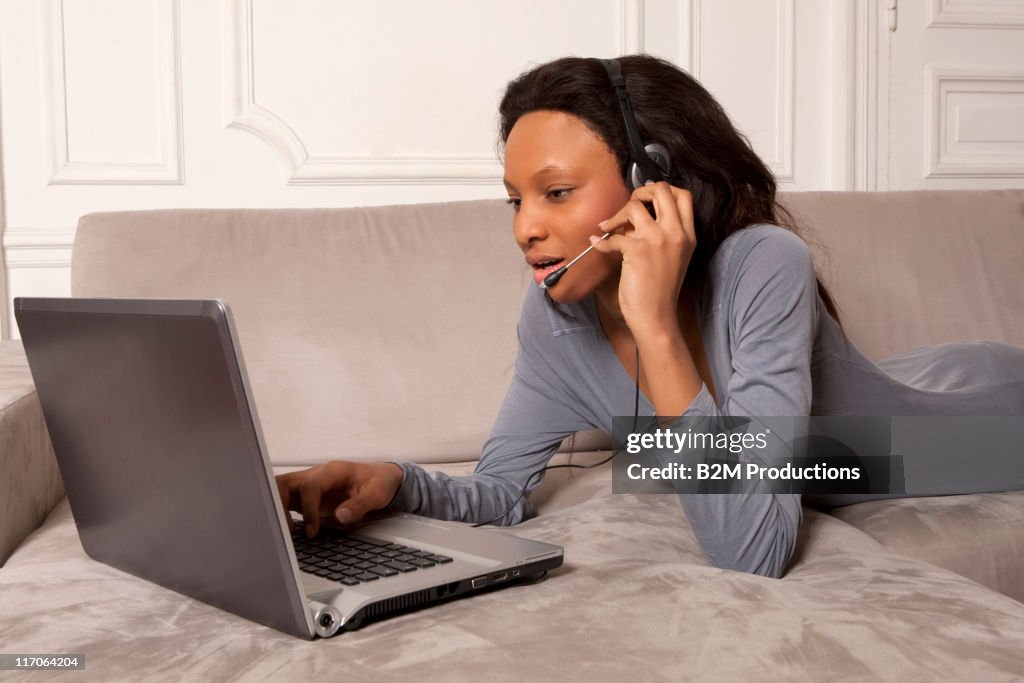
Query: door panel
point(956, 94)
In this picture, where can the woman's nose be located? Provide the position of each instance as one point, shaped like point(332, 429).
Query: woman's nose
point(528, 225)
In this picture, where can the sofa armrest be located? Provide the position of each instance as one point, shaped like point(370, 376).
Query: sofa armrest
point(30, 483)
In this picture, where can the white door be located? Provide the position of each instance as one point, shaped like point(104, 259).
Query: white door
point(956, 94)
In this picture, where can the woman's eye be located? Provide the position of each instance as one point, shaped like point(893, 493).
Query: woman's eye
point(560, 193)
point(515, 202)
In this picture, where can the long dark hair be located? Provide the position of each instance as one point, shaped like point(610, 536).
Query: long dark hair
point(731, 187)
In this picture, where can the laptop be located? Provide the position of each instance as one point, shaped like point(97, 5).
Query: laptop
point(149, 411)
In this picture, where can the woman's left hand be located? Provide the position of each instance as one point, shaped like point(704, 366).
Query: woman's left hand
point(655, 255)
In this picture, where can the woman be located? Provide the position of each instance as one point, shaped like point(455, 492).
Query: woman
point(701, 293)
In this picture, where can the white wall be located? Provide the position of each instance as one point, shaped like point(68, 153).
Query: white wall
point(139, 104)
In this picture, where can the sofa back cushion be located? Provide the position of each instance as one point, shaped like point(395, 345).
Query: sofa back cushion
point(387, 332)
point(908, 269)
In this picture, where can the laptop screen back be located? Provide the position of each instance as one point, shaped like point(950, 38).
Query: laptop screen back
point(146, 408)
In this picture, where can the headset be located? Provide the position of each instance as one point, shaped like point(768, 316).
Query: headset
point(649, 162)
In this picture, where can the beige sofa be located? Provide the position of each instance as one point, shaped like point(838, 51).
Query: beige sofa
point(390, 333)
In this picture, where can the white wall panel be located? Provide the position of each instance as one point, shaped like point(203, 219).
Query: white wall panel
point(756, 83)
point(367, 101)
point(672, 31)
point(90, 62)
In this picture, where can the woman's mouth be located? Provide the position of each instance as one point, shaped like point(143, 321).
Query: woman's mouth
point(544, 268)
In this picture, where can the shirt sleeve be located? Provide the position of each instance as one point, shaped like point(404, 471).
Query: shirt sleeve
point(538, 412)
point(773, 323)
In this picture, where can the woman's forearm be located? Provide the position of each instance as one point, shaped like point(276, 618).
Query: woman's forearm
point(672, 378)
point(471, 498)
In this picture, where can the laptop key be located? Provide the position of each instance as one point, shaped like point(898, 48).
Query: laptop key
point(366, 576)
point(383, 571)
point(349, 581)
point(421, 562)
point(400, 566)
point(440, 559)
point(374, 541)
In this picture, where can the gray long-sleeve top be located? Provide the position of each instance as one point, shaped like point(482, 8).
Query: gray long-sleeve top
point(773, 350)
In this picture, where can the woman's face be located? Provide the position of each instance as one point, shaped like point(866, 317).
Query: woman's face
point(562, 180)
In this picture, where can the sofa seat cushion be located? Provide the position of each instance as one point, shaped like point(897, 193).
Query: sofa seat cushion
point(30, 483)
point(980, 536)
point(634, 599)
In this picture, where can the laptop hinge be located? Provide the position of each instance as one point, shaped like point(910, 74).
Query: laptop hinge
point(326, 619)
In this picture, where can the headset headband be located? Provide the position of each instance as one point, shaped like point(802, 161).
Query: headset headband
point(637, 153)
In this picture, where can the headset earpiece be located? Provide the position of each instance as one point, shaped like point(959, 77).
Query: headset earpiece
point(635, 176)
point(646, 162)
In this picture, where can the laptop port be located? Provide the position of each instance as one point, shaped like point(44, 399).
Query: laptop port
point(500, 576)
point(447, 589)
point(479, 582)
point(515, 573)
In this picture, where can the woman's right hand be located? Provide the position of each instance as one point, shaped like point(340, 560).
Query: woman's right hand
point(340, 489)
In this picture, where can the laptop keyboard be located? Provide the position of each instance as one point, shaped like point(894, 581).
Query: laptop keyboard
point(352, 560)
